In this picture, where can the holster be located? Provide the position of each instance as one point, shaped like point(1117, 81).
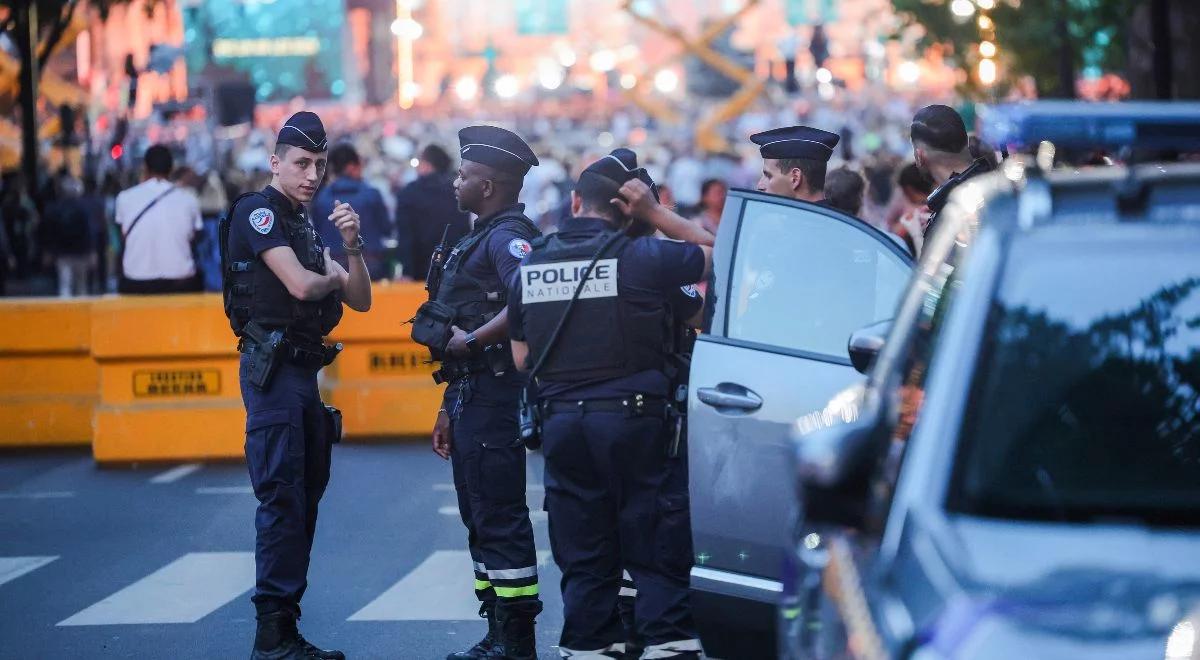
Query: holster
point(333, 424)
point(529, 420)
point(265, 350)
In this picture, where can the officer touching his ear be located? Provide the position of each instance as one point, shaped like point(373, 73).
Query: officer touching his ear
point(588, 314)
point(465, 326)
point(282, 295)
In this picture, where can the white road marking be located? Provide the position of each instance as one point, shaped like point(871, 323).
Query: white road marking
point(12, 568)
point(176, 473)
point(184, 591)
point(535, 515)
point(225, 490)
point(440, 589)
point(448, 510)
point(46, 495)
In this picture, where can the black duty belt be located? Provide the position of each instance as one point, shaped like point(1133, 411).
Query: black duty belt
point(452, 371)
point(634, 406)
point(313, 356)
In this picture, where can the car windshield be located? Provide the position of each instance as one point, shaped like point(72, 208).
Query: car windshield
point(1085, 404)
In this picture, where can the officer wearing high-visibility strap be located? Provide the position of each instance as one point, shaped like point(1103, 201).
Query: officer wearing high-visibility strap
point(283, 294)
point(605, 404)
point(465, 326)
point(794, 161)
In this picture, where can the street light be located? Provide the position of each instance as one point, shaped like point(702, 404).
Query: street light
point(603, 61)
point(824, 76)
point(987, 49)
point(910, 72)
point(628, 81)
point(962, 8)
point(507, 86)
point(666, 81)
point(466, 88)
point(407, 28)
point(986, 5)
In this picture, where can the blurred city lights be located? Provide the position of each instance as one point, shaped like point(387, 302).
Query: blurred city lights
point(987, 72)
point(986, 5)
point(550, 78)
point(666, 81)
point(411, 89)
point(962, 8)
point(566, 56)
point(407, 29)
point(628, 81)
point(466, 88)
point(116, 152)
point(987, 49)
point(824, 76)
point(910, 72)
point(605, 139)
point(985, 22)
point(603, 61)
point(507, 86)
point(414, 162)
point(825, 91)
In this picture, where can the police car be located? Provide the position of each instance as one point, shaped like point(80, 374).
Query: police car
point(791, 281)
point(1019, 477)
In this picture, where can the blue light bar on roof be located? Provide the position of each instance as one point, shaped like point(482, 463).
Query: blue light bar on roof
point(1073, 124)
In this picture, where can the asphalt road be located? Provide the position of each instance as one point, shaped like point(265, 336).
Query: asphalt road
point(157, 561)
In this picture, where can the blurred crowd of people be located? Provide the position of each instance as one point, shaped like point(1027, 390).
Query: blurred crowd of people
point(75, 237)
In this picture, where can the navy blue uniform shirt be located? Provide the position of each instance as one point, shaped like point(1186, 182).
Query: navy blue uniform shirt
point(650, 269)
point(255, 228)
point(366, 201)
point(496, 260)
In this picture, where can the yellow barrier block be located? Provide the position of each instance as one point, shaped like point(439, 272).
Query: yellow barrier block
point(381, 381)
point(168, 380)
point(49, 384)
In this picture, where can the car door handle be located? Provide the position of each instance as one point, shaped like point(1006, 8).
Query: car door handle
point(729, 395)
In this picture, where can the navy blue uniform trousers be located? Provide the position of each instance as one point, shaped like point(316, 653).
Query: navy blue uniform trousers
point(488, 460)
point(615, 500)
point(288, 447)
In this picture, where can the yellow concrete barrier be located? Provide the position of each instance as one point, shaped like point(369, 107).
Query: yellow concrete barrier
point(381, 381)
point(48, 382)
point(168, 380)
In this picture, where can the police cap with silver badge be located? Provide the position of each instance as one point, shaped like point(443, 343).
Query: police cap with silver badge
point(497, 148)
point(796, 142)
point(305, 130)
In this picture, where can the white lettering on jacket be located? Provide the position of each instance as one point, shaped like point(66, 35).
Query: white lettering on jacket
point(557, 282)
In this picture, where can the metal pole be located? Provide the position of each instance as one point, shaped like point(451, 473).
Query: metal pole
point(1160, 27)
point(27, 41)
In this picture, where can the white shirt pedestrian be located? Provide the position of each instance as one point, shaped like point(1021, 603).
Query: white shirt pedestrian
point(160, 245)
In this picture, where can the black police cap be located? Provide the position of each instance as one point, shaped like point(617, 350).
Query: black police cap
point(497, 148)
point(796, 142)
point(305, 130)
point(620, 166)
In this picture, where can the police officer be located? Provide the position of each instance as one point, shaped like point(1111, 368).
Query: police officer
point(941, 148)
point(794, 161)
point(283, 294)
point(604, 392)
point(465, 325)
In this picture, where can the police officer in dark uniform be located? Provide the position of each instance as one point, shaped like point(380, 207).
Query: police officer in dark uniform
point(283, 294)
point(605, 404)
point(465, 326)
point(943, 154)
point(794, 161)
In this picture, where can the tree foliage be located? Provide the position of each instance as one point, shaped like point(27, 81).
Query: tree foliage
point(1028, 35)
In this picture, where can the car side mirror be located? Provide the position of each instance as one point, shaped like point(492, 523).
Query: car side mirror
point(865, 344)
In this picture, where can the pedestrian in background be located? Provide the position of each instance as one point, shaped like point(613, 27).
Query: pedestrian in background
point(66, 236)
point(712, 203)
point(158, 222)
point(844, 190)
point(348, 187)
point(425, 208)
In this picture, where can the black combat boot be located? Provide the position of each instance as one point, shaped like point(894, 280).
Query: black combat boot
point(486, 648)
point(515, 628)
point(275, 638)
point(310, 650)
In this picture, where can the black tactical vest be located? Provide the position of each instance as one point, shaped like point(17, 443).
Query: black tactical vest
point(476, 302)
point(253, 293)
point(608, 335)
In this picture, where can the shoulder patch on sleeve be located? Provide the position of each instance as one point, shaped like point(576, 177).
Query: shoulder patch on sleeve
point(689, 290)
point(262, 219)
point(519, 248)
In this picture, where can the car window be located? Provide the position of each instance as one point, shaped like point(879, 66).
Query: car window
point(1086, 404)
point(805, 281)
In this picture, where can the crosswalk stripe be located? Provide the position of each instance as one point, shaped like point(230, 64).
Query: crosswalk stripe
point(175, 473)
point(44, 495)
point(184, 591)
point(12, 568)
point(225, 490)
point(535, 515)
point(439, 589)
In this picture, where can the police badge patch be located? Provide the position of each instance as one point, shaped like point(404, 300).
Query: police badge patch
point(519, 248)
point(262, 220)
point(689, 290)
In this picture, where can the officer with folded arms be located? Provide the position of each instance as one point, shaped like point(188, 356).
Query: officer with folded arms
point(589, 316)
point(283, 294)
point(465, 326)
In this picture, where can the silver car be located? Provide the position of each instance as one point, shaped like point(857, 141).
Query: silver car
point(791, 281)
